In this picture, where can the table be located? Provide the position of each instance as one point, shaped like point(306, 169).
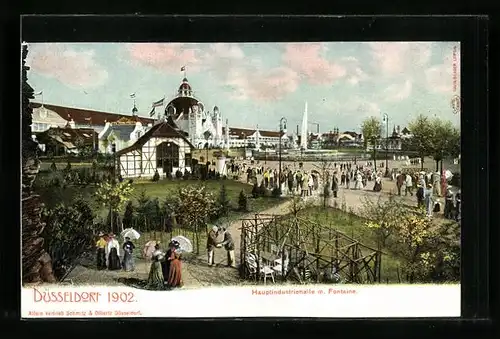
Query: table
point(268, 258)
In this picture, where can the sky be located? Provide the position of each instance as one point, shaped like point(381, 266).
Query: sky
point(255, 84)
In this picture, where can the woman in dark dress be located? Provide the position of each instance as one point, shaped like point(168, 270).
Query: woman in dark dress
point(175, 273)
point(113, 253)
point(165, 264)
point(128, 258)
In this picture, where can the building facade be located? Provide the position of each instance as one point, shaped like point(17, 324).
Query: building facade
point(163, 149)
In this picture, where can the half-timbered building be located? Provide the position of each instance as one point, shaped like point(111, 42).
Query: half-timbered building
point(163, 148)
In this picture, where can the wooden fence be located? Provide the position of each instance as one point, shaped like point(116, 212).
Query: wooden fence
point(315, 252)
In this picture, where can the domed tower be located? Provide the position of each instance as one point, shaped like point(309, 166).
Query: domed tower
point(186, 111)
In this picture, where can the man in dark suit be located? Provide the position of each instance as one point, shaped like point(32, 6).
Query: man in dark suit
point(229, 246)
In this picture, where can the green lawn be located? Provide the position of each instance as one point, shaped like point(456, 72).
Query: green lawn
point(164, 188)
point(353, 226)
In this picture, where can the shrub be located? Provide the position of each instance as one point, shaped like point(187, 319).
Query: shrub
point(223, 202)
point(242, 202)
point(276, 192)
point(187, 175)
point(169, 175)
point(128, 216)
point(68, 233)
point(255, 191)
point(178, 174)
point(156, 176)
point(262, 189)
point(53, 166)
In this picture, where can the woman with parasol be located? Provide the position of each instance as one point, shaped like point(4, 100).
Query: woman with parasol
point(155, 278)
point(128, 258)
point(175, 271)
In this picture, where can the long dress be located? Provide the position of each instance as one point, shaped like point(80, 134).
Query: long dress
point(128, 258)
point(155, 278)
point(165, 265)
point(378, 185)
point(175, 273)
point(113, 255)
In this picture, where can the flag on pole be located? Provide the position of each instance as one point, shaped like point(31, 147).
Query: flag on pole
point(158, 103)
point(38, 93)
point(132, 96)
point(183, 68)
point(152, 113)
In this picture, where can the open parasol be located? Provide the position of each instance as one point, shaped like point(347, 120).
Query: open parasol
point(130, 233)
point(448, 175)
point(184, 243)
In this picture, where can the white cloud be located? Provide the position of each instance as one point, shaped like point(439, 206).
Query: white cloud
point(398, 92)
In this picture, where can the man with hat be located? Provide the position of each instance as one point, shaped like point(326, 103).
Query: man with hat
point(212, 244)
point(101, 251)
point(229, 247)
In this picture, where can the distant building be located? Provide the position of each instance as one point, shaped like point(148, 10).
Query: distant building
point(60, 141)
point(163, 148)
point(122, 133)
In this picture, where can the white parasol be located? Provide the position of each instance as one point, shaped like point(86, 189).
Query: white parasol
point(130, 233)
point(184, 243)
point(448, 175)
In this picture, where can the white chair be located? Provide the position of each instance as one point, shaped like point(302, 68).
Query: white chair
point(265, 271)
point(281, 266)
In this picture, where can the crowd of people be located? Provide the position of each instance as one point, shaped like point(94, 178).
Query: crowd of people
point(108, 253)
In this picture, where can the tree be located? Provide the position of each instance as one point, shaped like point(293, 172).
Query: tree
point(223, 202)
point(128, 216)
point(69, 232)
point(36, 262)
point(423, 137)
point(242, 202)
point(382, 218)
point(445, 140)
point(371, 129)
point(114, 196)
point(195, 207)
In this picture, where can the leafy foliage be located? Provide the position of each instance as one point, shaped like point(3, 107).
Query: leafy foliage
point(371, 129)
point(156, 176)
point(428, 251)
point(68, 233)
point(129, 214)
point(196, 205)
point(223, 202)
point(242, 202)
point(114, 195)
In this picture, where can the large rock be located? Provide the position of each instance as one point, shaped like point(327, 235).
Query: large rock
point(36, 262)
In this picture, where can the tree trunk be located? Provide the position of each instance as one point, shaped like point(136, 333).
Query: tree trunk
point(437, 165)
point(421, 163)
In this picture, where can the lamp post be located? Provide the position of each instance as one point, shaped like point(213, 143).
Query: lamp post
point(282, 129)
point(386, 120)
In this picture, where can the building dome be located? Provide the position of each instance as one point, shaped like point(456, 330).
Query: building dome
point(185, 86)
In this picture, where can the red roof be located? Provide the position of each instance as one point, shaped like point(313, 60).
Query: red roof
point(81, 116)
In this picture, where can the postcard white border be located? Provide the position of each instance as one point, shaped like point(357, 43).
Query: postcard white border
point(330, 301)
